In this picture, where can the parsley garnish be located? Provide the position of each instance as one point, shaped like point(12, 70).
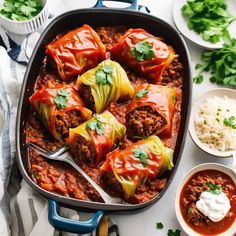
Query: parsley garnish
point(104, 75)
point(159, 225)
point(209, 18)
point(96, 125)
point(174, 233)
point(230, 122)
point(141, 93)
point(20, 10)
point(214, 188)
point(142, 155)
point(61, 98)
point(189, 210)
point(142, 51)
point(220, 63)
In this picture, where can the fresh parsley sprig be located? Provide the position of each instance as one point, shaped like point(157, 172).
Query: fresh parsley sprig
point(142, 51)
point(96, 125)
point(221, 63)
point(173, 233)
point(209, 18)
point(213, 188)
point(103, 75)
point(142, 155)
point(61, 98)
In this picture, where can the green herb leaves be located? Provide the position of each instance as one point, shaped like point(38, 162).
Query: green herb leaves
point(159, 225)
point(221, 63)
point(141, 93)
point(142, 155)
point(20, 10)
point(142, 51)
point(104, 75)
point(174, 233)
point(209, 18)
point(214, 188)
point(230, 122)
point(61, 98)
point(96, 125)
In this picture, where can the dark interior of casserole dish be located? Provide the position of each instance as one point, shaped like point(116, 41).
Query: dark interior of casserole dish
point(62, 179)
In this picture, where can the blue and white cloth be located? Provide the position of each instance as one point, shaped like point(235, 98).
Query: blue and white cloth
point(23, 211)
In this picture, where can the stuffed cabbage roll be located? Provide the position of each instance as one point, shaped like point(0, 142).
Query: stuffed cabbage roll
point(76, 51)
point(59, 109)
point(93, 139)
point(143, 53)
point(143, 160)
point(108, 82)
point(151, 111)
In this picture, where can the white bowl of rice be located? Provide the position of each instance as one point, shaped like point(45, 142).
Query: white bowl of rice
point(213, 122)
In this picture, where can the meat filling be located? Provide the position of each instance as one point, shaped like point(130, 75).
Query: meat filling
point(70, 119)
point(86, 95)
point(144, 121)
point(83, 150)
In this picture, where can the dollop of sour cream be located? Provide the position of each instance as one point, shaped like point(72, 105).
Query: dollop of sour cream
point(214, 206)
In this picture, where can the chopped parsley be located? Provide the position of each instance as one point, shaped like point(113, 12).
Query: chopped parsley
point(20, 10)
point(103, 75)
point(213, 188)
point(141, 93)
point(159, 225)
point(142, 155)
point(61, 98)
point(174, 233)
point(190, 210)
point(230, 122)
point(142, 51)
point(96, 125)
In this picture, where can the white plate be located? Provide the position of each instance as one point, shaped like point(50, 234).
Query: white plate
point(181, 24)
point(219, 92)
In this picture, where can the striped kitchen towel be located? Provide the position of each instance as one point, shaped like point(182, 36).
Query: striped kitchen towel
point(22, 210)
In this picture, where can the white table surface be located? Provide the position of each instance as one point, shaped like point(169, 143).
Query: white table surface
point(143, 223)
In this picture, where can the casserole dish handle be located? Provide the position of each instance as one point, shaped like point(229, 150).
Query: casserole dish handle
point(69, 225)
point(133, 6)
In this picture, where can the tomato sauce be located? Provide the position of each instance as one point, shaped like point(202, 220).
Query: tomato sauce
point(191, 193)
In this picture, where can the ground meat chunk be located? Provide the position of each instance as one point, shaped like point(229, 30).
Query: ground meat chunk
point(83, 150)
point(86, 95)
point(144, 121)
point(70, 119)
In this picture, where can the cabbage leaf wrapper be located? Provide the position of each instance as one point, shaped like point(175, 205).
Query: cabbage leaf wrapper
point(100, 134)
point(50, 104)
point(106, 86)
point(160, 99)
point(76, 51)
point(143, 160)
point(143, 53)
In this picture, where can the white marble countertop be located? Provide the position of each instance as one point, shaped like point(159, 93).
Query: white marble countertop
point(144, 222)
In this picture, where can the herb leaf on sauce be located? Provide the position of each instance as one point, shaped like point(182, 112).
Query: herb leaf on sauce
point(174, 233)
point(230, 122)
point(142, 51)
point(159, 225)
point(142, 155)
point(103, 75)
point(95, 125)
point(214, 188)
point(189, 210)
point(141, 93)
point(61, 98)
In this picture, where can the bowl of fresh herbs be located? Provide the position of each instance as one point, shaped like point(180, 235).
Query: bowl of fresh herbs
point(23, 17)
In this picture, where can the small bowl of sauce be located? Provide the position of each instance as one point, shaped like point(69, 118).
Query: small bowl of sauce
point(205, 202)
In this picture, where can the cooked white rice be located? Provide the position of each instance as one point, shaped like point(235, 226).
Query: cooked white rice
point(209, 123)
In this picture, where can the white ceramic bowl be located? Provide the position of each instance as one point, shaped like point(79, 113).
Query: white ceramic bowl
point(207, 166)
point(28, 26)
point(219, 92)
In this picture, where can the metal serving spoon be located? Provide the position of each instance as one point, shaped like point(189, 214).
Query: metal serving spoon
point(63, 155)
